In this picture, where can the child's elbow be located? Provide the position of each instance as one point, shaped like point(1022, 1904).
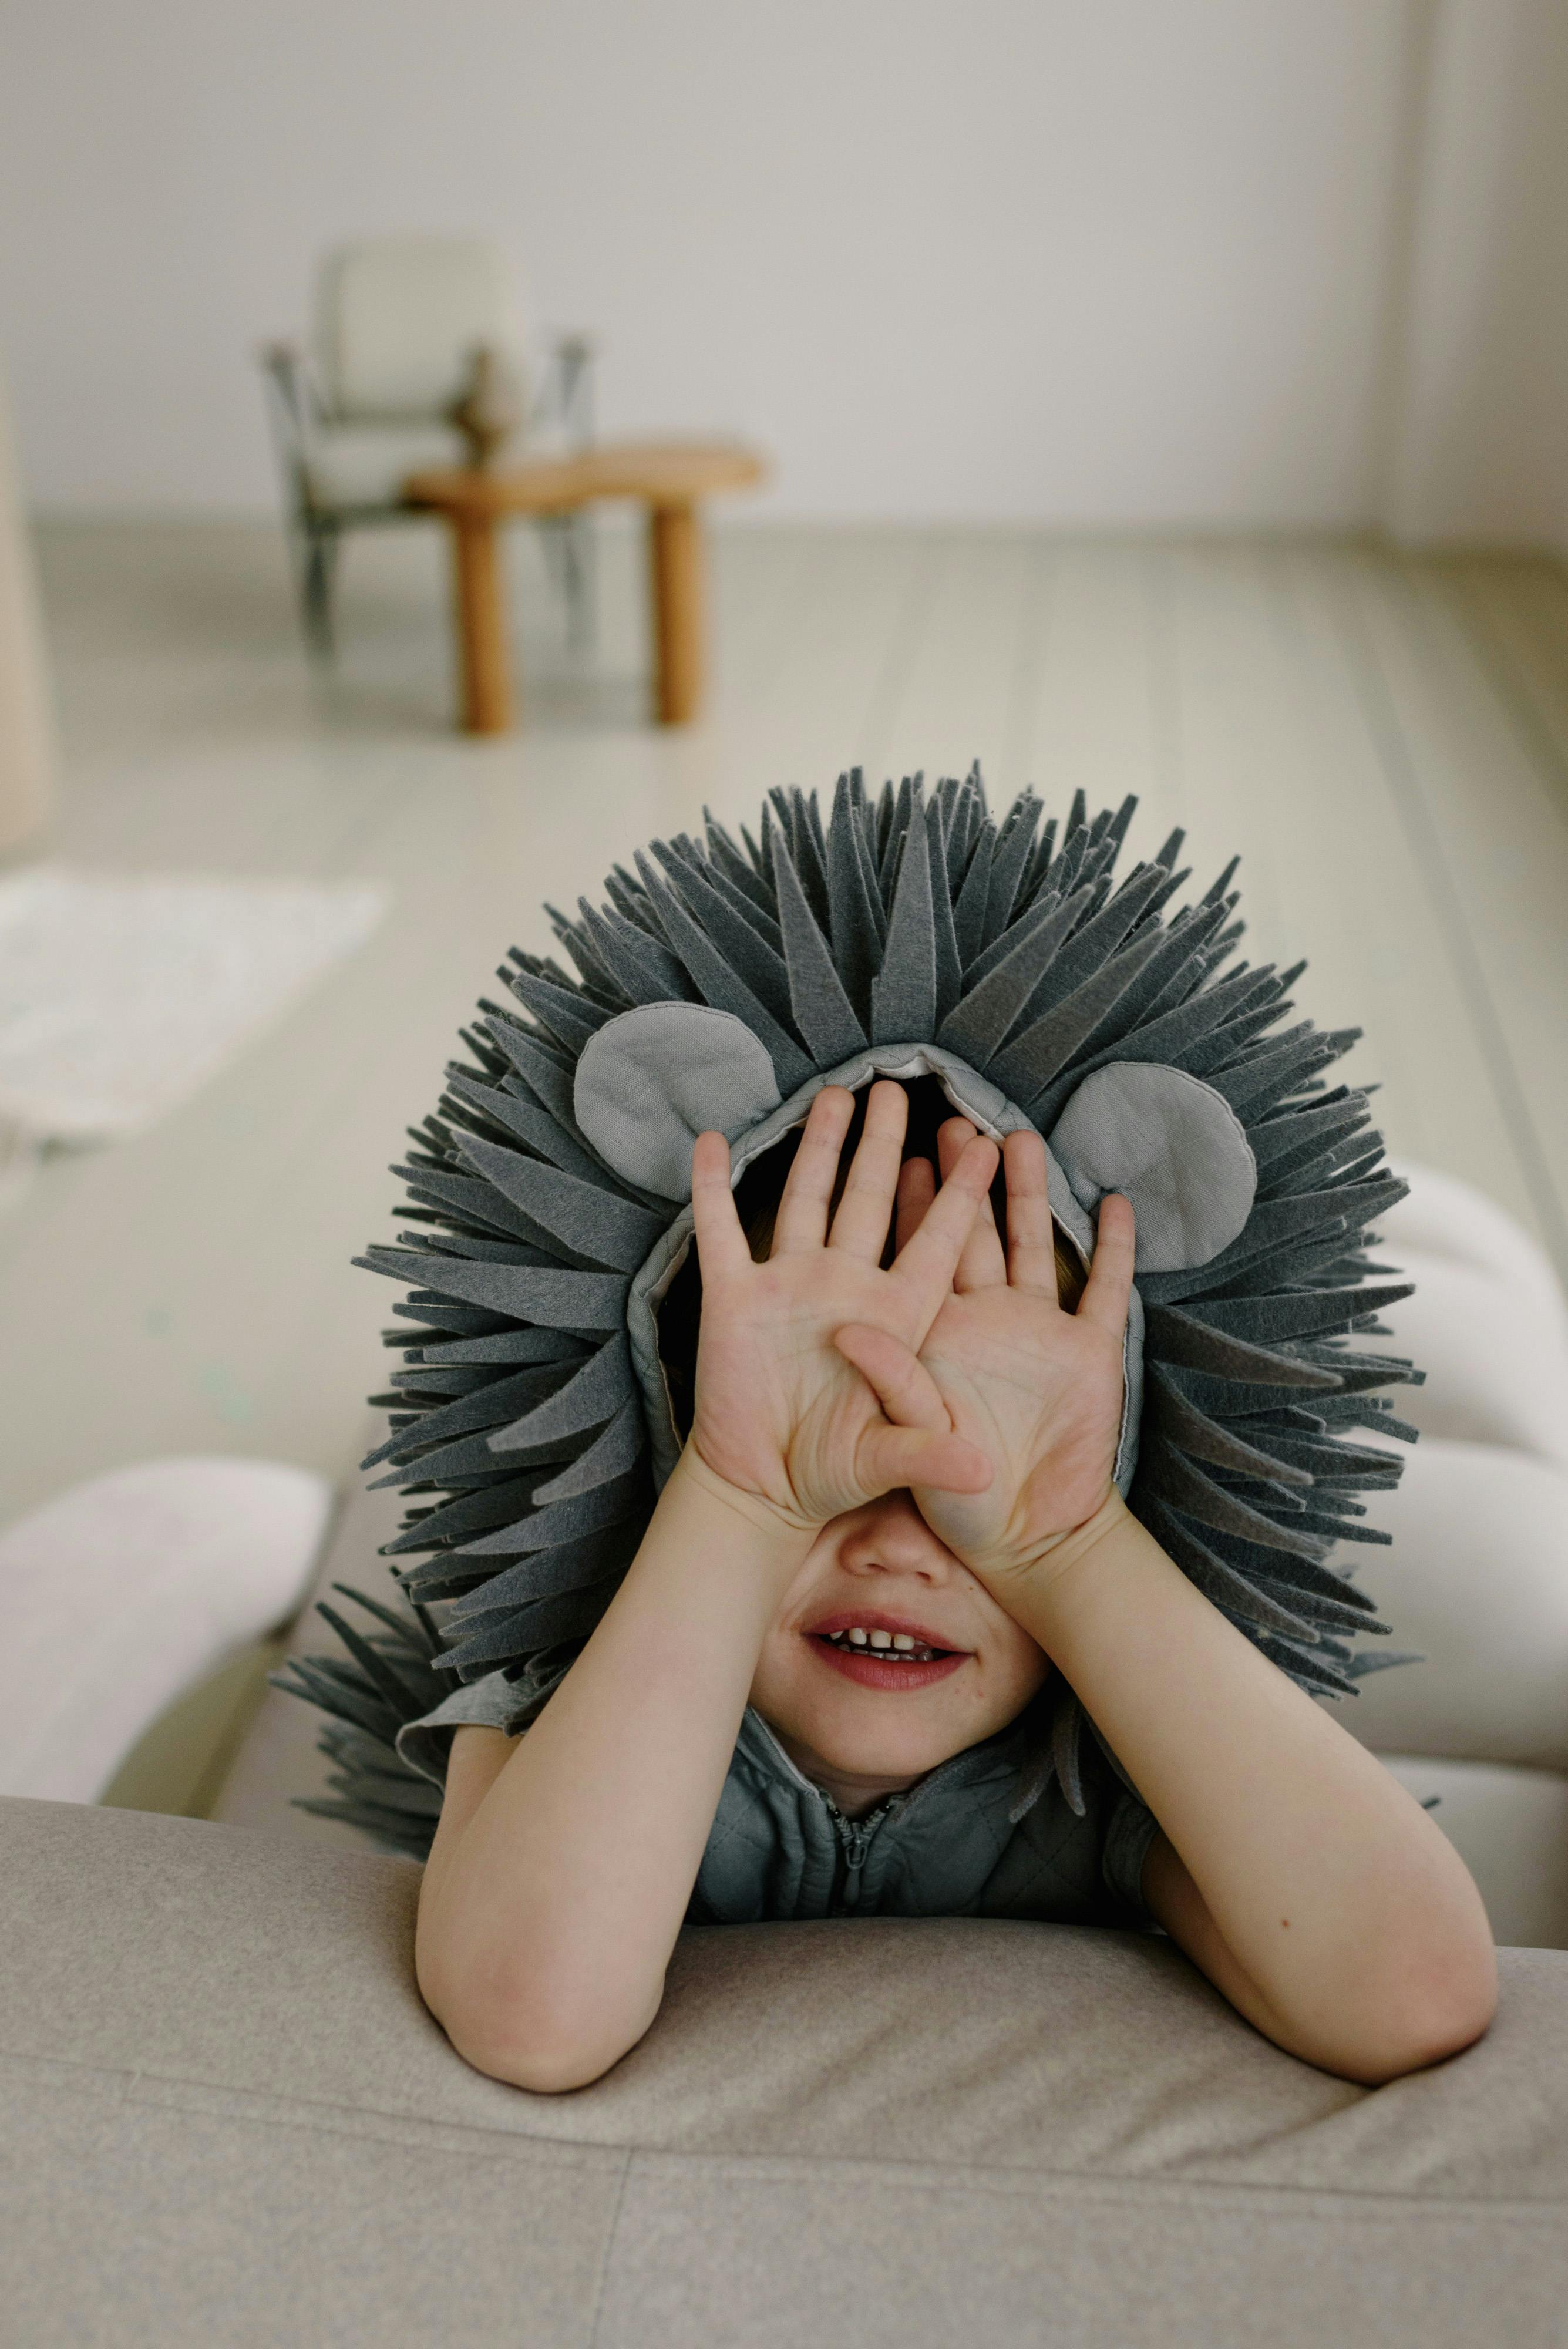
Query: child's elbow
point(546, 2064)
point(508, 2030)
point(1426, 2014)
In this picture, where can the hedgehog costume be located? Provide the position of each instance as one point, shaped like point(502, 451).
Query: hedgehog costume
point(721, 985)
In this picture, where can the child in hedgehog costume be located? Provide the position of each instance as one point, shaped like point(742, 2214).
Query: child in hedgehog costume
point(951, 1531)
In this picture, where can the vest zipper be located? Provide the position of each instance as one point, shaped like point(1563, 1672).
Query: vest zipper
point(855, 1841)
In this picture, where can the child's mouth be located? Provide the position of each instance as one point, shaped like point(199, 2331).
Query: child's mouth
point(873, 1659)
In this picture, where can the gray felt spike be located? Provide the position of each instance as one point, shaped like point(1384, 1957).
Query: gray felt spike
point(749, 954)
point(548, 1081)
point(1220, 886)
point(1041, 862)
point(595, 1220)
point(495, 1505)
point(612, 1452)
point(470, 1199)
point(608, 1503)
point(1218, 1354)
point(466, 1460)
point(855, 922)
point(1282, 1069)
point(1276, 1320)
point(1048, 1047)
point(488, 1406)
point(533, 1125)
point(1168, 1411)
point(728, 859)
point(593, 1395)
point(1171, 1478)
point(1009, 862)
point(719, 985)
point(989, 1011)
point(521, 1632)
point(1170, 849)
point(762, 919)
point(1093, 946)
point(563, 1300)
point(571, 1018)
point(1172, 1039)
point(904, 992)
point(892, 846)
point(822, 1011)
point(596, 975)
point(1307, 1578)
point(968, 911)
point(949, 977)
point(645, 971)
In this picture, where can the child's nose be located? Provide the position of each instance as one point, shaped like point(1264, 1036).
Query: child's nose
point(891, 1535)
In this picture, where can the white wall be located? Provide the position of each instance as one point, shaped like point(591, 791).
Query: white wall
point(1121, 263)
point(1479, 436)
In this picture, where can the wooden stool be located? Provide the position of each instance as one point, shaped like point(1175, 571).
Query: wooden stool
point(667, 477)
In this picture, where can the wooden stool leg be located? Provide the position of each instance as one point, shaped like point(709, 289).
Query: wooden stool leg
point(481, 625)
point(675, 541)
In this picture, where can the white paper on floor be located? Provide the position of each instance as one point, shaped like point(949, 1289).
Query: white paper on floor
point(119, 996)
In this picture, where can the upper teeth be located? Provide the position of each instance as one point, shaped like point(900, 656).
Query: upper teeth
point(899, 1641)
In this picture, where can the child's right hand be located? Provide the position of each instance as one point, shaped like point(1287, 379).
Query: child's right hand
point(781, 1416)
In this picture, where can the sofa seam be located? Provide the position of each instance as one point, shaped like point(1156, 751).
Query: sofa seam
point(607, 2254)
point(995, 2177)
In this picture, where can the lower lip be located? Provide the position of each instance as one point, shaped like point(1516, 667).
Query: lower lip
point(872, 1669)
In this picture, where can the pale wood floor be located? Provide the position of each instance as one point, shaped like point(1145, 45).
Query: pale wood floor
point(1386, 742)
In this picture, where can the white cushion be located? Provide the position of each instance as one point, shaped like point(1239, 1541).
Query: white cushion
point(367, 464)
point(1488, 1322)
point(399, 318)
point(1443, 1216)
point(123, 1592)
point(1477, 1581)
point(1509, 1828)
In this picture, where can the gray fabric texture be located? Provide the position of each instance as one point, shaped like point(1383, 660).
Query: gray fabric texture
point(230, 2119)
point(991, 1833)
point(1173, 1146)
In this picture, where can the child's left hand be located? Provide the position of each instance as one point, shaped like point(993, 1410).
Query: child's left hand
point(1037, 1389)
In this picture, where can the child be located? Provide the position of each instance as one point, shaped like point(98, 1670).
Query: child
point(825, 1682)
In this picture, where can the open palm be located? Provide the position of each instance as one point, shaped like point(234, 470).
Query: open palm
point(1036, 1388)
point(781, 1413)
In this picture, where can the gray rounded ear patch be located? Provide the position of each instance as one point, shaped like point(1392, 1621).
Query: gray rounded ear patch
point(1172, 1145)
point(651, 1081)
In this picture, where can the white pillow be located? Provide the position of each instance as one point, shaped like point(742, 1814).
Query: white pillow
point(1477, 1581)
point(124, 1591)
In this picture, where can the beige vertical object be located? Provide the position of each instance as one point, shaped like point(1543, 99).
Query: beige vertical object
point(27, 722)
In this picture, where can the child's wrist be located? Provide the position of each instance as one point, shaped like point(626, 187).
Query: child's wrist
point(1054, 1555)
point(771, 1521)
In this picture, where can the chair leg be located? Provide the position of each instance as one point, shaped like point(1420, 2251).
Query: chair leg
point(569, 550)
point(580, 555)
point(318, 570)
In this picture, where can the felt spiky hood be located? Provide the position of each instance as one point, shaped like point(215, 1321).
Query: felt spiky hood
point(723, 984)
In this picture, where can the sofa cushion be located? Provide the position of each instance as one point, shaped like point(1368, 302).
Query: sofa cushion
point(1509, 1826)
point(1477, 1580)
point(122, 1592)
point(230, 2118)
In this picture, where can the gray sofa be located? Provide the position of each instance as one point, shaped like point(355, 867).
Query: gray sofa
point(231, 2121)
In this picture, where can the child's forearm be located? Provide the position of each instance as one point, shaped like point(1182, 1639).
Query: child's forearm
point(546, 1928)
point(1296, 1870)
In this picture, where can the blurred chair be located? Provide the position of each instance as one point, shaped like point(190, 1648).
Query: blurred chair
point(400, 324)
